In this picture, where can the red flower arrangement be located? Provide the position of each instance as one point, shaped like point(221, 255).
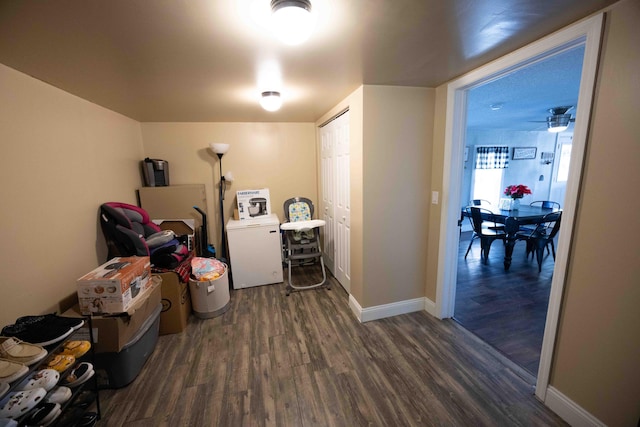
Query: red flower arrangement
point(517, 191)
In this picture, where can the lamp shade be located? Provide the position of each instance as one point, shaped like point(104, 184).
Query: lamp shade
point(270, 100)
point(219, 148)
point(292, 20)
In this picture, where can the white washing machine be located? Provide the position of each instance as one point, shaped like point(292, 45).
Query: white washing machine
point(255, 251)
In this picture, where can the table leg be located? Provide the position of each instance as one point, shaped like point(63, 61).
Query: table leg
point(508, 251)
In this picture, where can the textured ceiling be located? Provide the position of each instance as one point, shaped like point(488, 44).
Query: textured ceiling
point(205, 60)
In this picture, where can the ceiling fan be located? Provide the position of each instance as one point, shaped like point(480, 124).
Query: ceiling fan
point(559, 119)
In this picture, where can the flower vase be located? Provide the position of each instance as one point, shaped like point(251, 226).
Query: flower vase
point(515, 204)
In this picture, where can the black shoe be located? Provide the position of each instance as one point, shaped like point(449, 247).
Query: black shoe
point(71, 322)
point(41, 334)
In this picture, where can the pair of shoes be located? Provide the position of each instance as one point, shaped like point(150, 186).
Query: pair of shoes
point(42, 330)
point(76, 349)
point(60, 362)
point(45, 378)
point(60, 394)
point(18, 403)
point(22, 352)
point(80, 375)
point(11, 371)
point(44, 415)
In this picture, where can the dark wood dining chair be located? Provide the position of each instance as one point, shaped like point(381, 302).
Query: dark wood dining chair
point(542, 236)
point(480, 202)
point(486, 230)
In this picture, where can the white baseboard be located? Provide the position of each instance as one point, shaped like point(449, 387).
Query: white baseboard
point(389, 310)
point(570, 411)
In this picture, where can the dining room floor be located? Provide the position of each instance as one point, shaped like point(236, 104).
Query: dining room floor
point(506, 309)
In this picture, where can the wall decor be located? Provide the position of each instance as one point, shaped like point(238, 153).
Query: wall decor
point(524, 153)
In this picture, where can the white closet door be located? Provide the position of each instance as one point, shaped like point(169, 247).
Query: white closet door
point(336, 207)
point(327, 173)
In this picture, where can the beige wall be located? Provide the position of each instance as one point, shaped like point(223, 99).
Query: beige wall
point(61, 158)
point(397, 145)
point(277, 156)
point(391, 143)
point(597, 360)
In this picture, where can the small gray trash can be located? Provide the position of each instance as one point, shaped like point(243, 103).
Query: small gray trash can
point(210, 298)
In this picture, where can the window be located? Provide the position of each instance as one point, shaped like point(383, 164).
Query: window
point(563, 163)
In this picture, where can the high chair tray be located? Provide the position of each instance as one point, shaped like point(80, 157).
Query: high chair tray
point(302, 225)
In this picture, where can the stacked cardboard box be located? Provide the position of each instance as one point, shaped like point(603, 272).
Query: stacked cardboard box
point(114, 286)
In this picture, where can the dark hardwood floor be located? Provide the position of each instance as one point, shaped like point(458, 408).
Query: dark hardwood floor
point(506, 309)
point(304, 360)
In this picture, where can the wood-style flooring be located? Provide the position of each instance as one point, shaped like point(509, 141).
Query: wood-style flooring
point(506, 309)
point(304, 360)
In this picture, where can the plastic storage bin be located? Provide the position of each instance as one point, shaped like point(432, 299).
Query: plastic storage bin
point(210, 298)
point(115, 370)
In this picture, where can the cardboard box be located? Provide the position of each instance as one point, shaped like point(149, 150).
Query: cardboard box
point(185, 229)
point(253, 203)
point(114, 286)
point(112, 333)
point(176, 304)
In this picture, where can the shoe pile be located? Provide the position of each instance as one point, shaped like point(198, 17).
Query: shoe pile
point(32, 398)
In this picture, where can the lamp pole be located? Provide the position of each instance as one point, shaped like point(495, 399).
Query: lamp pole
point(223, 240)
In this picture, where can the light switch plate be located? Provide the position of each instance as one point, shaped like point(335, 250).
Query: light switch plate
point(434, 197)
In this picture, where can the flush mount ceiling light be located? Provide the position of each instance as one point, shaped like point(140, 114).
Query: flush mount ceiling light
point(270, 100)
point(292, 20)
point(559, 120)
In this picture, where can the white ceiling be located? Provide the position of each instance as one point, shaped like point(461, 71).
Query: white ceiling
point(202, 60)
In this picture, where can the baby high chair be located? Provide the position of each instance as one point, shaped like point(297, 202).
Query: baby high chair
point(301, 235)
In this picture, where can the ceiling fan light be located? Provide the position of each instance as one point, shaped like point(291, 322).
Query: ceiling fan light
point(558, 123)
point(292, 20)
point(270, 100)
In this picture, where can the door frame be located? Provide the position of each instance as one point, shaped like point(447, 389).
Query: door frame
point(587, 32)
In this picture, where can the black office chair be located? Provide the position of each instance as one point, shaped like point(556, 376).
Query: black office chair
point(542, 236)
point(546, 204)
point(483, 230)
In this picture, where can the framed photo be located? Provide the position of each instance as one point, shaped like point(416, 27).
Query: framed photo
point(524, 153)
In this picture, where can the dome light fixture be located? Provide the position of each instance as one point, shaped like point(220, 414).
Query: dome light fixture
point(270, 100)
point(292, 20)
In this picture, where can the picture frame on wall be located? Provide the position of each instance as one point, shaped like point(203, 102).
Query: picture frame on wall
point(524, 153)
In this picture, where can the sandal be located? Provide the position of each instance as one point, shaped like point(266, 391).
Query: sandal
point(61, 362)
point(79, 375)
point(43, 415)
point(46, 379)
point(59, 395)
point(18, 403)
point(76, 349)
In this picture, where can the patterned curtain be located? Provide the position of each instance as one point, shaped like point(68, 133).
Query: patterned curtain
point(492, 157)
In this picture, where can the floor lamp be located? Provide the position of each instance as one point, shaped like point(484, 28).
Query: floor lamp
point(220, 149)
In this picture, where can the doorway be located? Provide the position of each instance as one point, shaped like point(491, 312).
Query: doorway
point(585, 33)
point(507, 309)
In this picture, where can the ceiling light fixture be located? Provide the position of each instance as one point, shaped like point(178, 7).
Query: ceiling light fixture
point(559, 121)
point(292, 20)
point(270, 100)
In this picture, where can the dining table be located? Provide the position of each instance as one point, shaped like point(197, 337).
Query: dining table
point(513, 221)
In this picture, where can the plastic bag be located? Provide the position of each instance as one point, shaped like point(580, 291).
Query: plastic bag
point(206, 269)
